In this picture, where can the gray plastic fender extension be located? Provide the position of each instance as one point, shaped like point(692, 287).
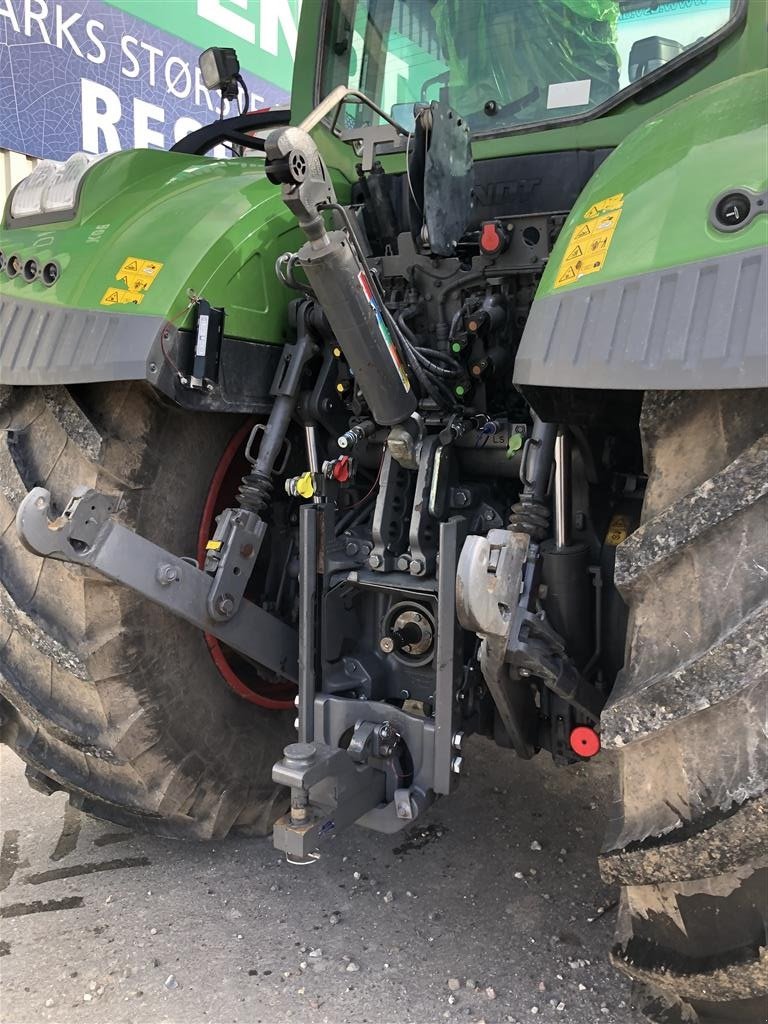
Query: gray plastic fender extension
point(697, 326)
point(44, 344)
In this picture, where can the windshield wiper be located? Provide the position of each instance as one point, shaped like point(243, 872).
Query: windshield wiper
point(492, 108)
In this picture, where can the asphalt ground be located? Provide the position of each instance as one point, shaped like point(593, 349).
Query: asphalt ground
point(102, 926)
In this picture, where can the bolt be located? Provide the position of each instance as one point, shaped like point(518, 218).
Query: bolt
point(489, 516)
point(387, 644)
point(416, 567)
point(153, 367)
point(225, 605)
point(402, 563)
point(167, 574)
point(296, 724)
point(458, 739)
point(405, 694)
point(456, 764)
point(40, 503)
point(351, 548)
point(296, 701)
point(460, 498)
point(374, 561)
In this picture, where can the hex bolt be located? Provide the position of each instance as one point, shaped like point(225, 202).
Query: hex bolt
point(457, 740)
point(456, 764)
point(374, 561)
point(387, 644)
point(402, 563)
point(351, 548)
point(167, 574)
point(416, 567)
point(225, 605)
point(460, 498)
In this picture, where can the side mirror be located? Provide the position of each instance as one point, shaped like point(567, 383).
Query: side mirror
point(650, 53)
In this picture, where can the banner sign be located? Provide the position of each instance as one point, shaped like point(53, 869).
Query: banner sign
point(97, 76)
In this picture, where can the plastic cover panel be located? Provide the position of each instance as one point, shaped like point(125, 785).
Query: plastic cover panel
point(42, 344)
point(696, 326)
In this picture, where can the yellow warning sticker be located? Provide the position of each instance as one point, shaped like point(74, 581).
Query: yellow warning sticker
point(120, 296)
point(134, 277)
point(134, 282)
point(611, 203)
point(618, 530)
point(589, 243)
point(148, 269)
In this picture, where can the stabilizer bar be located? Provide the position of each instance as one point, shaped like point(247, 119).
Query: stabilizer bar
point(87, 535)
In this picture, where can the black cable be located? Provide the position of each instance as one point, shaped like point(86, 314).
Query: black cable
point(246, 95)
point(432, 369)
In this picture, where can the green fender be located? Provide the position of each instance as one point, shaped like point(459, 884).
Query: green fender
point(216, 226)
point(644, 288)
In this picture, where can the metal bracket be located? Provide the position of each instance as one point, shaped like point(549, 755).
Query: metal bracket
point(389, 531)
point(496, 587)
point(87, 535)
point(356, 788)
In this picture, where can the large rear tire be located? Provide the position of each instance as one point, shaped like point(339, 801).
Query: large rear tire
point(103, 694)
point(689, 840)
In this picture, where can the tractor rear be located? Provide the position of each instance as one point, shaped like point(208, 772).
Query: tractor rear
point(438, 411)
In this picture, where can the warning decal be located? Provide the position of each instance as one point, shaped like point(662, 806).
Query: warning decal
point(590, 241)
point(134, 277)
point(618, 530)
point(383, 329)
point(119, 297)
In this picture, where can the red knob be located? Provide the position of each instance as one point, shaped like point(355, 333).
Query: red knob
point(493, 238)
point(584, 741)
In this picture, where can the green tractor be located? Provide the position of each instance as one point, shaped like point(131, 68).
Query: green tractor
point(437, 409)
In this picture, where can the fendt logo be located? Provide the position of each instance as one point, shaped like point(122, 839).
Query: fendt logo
point(491, 193)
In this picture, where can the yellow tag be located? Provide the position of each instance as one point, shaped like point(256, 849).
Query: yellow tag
point(611, 203)
point(134, 282)
point(214, 545)
point(304, 485)
point(618, 530)
point(588, 246)
point(148, 269)
point(119, 297)
point(134, 277)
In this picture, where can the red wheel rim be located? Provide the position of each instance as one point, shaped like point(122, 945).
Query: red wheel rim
point(265, 694)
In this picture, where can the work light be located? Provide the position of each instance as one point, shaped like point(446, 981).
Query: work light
point(52, 187)
point(220, 69)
